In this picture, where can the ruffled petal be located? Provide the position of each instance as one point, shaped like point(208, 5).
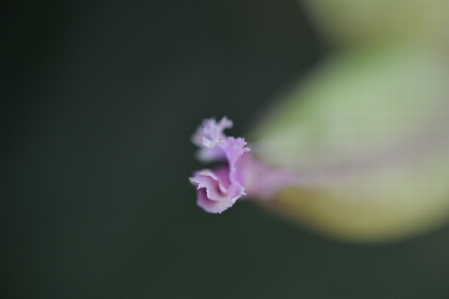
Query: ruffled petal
point(219, 189)
point(208, 136)
point(214, 190)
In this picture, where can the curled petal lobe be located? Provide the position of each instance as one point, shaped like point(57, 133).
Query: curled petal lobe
point(210, 133)
point(208, 136)
point(215, 191)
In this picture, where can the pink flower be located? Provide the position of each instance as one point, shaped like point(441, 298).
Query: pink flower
point(219, 189)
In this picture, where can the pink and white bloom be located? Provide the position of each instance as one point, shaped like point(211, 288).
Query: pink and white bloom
point(242, 175)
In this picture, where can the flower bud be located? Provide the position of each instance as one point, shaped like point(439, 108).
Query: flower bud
point(355, 22)
point(368, 134)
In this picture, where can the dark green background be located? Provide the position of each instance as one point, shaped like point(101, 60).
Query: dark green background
point(98, 102)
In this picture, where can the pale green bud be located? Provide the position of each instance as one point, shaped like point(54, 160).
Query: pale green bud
point(357, 22)
point(369, 135)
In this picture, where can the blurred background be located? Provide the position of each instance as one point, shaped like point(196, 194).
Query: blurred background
point(98, 103)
